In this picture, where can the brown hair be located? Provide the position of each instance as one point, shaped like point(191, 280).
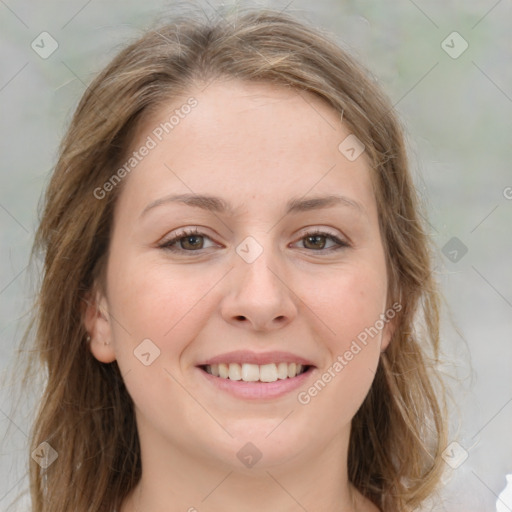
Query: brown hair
point(85, 412)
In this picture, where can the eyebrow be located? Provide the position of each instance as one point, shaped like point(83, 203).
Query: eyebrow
point(219, 205)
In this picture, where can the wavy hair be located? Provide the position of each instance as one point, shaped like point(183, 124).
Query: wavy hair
point(85, 412)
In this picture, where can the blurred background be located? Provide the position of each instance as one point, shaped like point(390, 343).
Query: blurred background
point(447, 67)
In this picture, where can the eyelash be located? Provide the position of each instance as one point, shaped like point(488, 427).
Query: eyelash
point(168, 245)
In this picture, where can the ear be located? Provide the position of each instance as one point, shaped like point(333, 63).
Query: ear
point(392, 314)
point(387, 334)
point(97, 323)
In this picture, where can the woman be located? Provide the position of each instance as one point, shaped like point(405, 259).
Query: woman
point(237, 304)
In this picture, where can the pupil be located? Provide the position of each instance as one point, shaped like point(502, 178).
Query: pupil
point(189, 240)
point(316, 239)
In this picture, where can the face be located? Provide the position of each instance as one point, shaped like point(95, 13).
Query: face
point(280, 262)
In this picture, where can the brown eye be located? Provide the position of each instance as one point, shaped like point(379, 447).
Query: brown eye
point(186, 241)
point(317, 240)
point(191, 242)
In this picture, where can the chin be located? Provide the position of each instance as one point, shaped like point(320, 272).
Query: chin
point(263, 444)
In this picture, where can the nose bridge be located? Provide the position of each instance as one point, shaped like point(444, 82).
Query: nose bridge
point(258, 263)
point(258, 294)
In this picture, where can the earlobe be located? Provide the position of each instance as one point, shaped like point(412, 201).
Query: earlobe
point(386, 338)
point(97, 323)
point(392, 319)
point(388, 333)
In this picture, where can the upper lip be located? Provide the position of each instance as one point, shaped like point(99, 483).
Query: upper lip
point(259, 358)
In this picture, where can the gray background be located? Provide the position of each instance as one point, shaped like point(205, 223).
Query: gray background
point(457, 113)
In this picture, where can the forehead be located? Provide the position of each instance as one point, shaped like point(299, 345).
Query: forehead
point(246, 139)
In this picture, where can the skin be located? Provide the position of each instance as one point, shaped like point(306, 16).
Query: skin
point(255, 145)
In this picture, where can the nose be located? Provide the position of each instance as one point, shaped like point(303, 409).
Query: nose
point(259, 296)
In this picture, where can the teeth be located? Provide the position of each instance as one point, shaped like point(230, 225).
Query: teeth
point(235, 372)
point(223, 371)
point(268, 372)
point(250, 372)
point(282, 371)
point(253, 372)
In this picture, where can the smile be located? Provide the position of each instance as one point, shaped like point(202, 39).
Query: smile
point(250, 375)
point(256, 373)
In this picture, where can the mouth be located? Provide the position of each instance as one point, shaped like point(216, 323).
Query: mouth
point(251, 375)
point(247, 372)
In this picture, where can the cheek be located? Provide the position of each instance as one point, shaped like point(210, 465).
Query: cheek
point(153, 300)
point(352, 302)
point(352, 309)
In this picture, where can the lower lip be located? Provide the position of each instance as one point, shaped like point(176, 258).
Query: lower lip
point(258, 390)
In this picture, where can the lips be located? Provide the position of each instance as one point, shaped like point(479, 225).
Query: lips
point(262, 389)
point(242, 367)
point(262, 358)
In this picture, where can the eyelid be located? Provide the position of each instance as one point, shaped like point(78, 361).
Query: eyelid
point(340, 241)
point(183, 233)
point(311, 231)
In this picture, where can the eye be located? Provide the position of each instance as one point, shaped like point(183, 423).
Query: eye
point(316, 241)
point(190, 240)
